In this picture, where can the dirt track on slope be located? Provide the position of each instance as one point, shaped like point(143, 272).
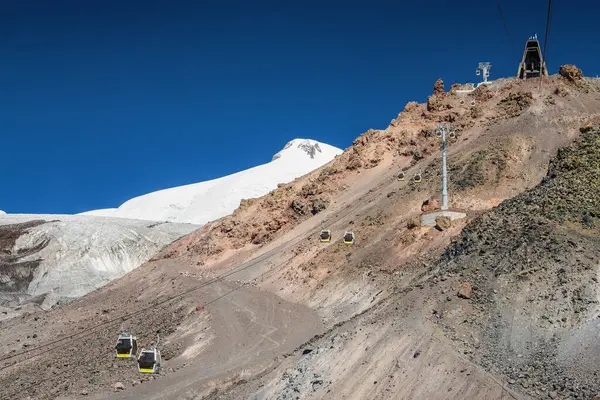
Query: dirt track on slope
point(248, 328)
point(240, 329)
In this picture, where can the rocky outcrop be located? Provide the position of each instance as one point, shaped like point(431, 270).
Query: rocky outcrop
point(438, 87)
point(442, 223)
point(411, 106)
point(482, 93)
point(570, 72)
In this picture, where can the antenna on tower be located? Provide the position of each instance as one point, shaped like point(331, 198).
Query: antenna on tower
point(485, 68)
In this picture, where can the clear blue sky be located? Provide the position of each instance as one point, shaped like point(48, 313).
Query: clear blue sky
point(101, 101)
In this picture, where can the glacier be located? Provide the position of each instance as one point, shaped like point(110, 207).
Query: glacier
point(51, 258)
point(76, 254)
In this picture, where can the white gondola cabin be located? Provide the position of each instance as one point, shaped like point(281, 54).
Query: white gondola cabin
point(325, 236)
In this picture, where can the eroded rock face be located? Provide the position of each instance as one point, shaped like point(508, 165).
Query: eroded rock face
point(354, 162)
point(482, 93)
point(16, 270)
point(516, 103)
point(570, 72)
point(435, 103)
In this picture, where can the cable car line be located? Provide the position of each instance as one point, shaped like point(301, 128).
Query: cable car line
point(510, 42)
point(108, 323)
point(545, 63)
point(547, 29)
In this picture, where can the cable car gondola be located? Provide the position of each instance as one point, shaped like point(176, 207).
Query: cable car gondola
point(417, 177)
point(452, 135)
point(349, 237)
point(126, 346)
point(149, 361)
point(400, 176)
point(325, 236)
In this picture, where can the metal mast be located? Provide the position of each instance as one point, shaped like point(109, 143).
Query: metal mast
point(485, 69)
point(442, 129)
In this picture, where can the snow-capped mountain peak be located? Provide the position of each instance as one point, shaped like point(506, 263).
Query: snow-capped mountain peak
point(310, 147)
point(202, 202)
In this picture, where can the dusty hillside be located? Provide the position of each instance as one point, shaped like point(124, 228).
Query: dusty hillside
point(510, 310)
point(506, 134)
point(369, 308)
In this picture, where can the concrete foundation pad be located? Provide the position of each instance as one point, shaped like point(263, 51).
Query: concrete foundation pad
point(429, 219)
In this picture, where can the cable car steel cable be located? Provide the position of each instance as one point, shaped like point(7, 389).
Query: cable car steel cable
point(510, 42)
point(548, 18)
point(250, 263)
point(106, 324)
point(294, 241)
point(547, 28)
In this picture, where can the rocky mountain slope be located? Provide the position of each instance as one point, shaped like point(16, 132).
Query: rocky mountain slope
point(408, 311)
point(511, 309)
point(203, 202)
point(533, 267)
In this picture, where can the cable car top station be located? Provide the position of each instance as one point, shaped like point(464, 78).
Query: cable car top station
point(532, 64)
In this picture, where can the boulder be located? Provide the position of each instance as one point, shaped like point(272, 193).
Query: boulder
point(570, 72)
point(442, 223)
point(430, 205)
point(465, 291)
point(414, 222)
